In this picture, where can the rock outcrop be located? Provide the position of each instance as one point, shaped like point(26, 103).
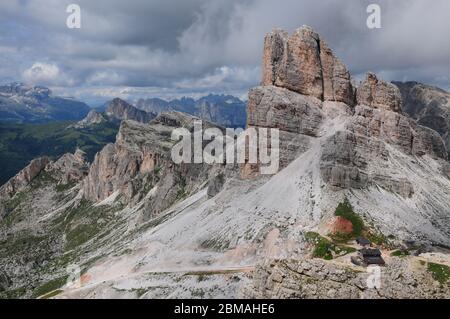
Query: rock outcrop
point(69, 168)
point(121, 110)
point(429, 105)
point(305, 87)
point(92, 118)
point(23, 178)
point(139, 163)
point(319, 279)
point(303, 63)
point(379, 94)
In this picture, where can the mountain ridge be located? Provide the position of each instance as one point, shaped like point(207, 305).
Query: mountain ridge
point(25, 104)
point(141, 226)
point(225, 110)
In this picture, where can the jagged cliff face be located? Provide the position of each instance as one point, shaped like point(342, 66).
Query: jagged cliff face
point(139, 162)
point(429, 105)
point(304, 85)
point(91, 119)
point(120, 110)
point(141, 226)
point(225, 110)
point(303, 63)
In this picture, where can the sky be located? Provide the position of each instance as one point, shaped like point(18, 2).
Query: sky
point(172, 48)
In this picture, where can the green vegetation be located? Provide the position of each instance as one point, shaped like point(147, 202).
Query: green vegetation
point(81, 223)
point(81, 234)
point(439, 272)
point(14, 202)
point(377, 238)
point(64, 187)
point(49, 286)
point(14, 293)
point(400, 253)
point(345, 210)
point(20, 143)
point(324, 248)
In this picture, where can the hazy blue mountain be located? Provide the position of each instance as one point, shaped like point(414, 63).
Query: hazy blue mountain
point(24, 104)
point(226, 110)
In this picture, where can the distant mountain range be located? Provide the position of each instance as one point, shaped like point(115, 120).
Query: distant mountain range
point(20, 103)
point(25, 104)
point(226, 110)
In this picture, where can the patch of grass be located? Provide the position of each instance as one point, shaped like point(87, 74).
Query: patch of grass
point(64, 187)
point(15, 201)
point(49, 286)
point(22, 243)
point(439, 272)
point(322, 247)
point(400, 253)
point(377, 238)
point(81, 234)
point(14, 293)
point(157, 170)
point(344, 250)
point(326, 249)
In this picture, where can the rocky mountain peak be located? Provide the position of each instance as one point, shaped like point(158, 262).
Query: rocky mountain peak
point(92, 118)
point(379, 94)
point(122, 110)
point(305, 88)
point(20, 89)
point(304, 63)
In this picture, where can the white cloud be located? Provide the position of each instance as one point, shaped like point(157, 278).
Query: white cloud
point(45, 74)
point(214, 45)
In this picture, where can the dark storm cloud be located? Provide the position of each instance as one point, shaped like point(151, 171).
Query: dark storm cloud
point(210, 45)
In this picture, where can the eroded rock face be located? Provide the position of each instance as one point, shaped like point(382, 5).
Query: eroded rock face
point(297, 117)
point(274, 107)
point(358, 156)
point(306, 88)
point(92, 118)
point(121, 110)
point(429, 105)
point(69, 168)
point(379, 94)
point(337, 84)
point(139, 164)
point(318, 279)
point(23, 178)
point(303, 63)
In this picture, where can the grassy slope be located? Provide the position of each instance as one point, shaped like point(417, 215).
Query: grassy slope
point(20, 143)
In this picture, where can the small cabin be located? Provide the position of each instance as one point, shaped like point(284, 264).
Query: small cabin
point(368, 256)
point(364, 242)
point(371, 256)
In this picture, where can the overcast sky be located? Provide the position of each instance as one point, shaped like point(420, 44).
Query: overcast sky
point(169, 48)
